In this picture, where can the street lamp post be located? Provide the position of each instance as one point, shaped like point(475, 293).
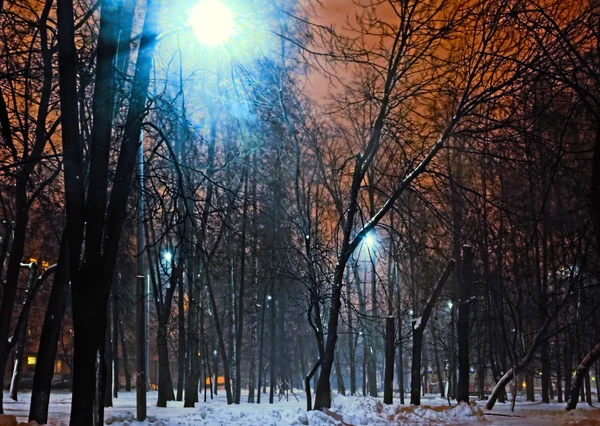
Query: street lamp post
point(212, 23)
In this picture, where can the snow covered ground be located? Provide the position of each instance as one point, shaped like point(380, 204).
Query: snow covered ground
point(354, 411)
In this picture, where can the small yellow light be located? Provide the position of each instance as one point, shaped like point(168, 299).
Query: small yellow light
point(31, 360)
point(32, 260)
point(524, 384)
point(198, 353)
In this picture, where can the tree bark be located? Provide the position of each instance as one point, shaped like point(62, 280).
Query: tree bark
point(240, 313)
point(351, 354)
point(418, 329)
point(48, 347)
point(22, 335)
point(582, 371)
point(465, 283)
point(390, 347)
point(181, 358)
point(261, 346)
point(339, 378)
point(108, 357)
point(115, 339)
point(307, 380)
point(4, 242)
point(126, 362)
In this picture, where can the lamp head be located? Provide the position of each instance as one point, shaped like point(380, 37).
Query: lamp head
point(370, 240)
point(211, 21)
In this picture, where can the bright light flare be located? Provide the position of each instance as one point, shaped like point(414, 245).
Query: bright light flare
point(370, 240)
point(212, 22)
point(167, 256)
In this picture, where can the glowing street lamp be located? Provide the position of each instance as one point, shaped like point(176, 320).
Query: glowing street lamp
point(212, 22)
point(370, 240)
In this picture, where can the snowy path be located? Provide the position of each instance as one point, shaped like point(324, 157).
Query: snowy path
point(354, 410)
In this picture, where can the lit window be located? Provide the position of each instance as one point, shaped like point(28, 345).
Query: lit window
point(30, 360)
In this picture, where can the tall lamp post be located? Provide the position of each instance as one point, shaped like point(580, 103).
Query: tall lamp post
point(212, 23)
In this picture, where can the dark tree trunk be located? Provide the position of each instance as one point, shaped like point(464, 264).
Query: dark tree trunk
point(261, 346)
point(108, 359)
point(165, 384)
point(390, 352)
point(309, 376)
point(400, 362)
point(115, 339)
point(418, 329)
point(240, 313)
point(530, 391)
point(351, 349)
point(48, 347)
point(272, 361)
point(339, 378)
point(22, 335)
point(597, 385)
point(126, 361)
point(559, 389)
point(88, 345)
point(191, 391)
point(582, 371)
point(568, 365)
point(214, 382)
point(465, 283)
point(438, 369)
point(4, 242)
point(181, 340)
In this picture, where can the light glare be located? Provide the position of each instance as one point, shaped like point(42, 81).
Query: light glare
point(370, 240)
point(168, 256)
point(211, 21)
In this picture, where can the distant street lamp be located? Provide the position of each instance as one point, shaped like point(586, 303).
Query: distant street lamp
point(167, 256)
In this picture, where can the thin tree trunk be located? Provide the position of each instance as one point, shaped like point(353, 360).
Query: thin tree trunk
point(597, 384)
point(22, 335)
point(465, 283)
point(108, 356)
point(181, 358)
point(559, 389)
point(339, 377)
point(418, 329)
point(254, 307)
point(240, 304)
point(191, 391)
point(390, 346)
point(4, 242)
point(351, 349)
point(48, 346)
point(400, 361)
point(126, 359)
point(115, 339)
point(436, 358)
point(261, 347)
point(272, 362)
